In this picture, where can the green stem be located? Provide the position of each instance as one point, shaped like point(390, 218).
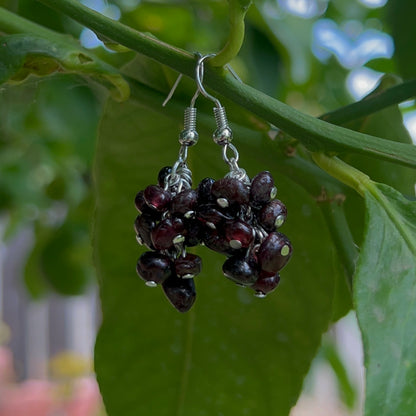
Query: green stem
point(313, 133)
point(372, 104)
point(236, 36)
point(341, 236)
point(345, 173)
point(12, 23)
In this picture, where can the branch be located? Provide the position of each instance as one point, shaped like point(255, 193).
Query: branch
point(236, 36)
point(341, 236)
point(373, 103)
point(313, 133)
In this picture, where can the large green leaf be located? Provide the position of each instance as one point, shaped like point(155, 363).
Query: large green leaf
point(401, 14)
point(385, 297)
point(22, 55)
point(232, 353)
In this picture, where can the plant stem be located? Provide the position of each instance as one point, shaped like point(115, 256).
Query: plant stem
point(372, 104)
point(345, 173)
point(236, 36)
point(341, 236)
point(12, 23)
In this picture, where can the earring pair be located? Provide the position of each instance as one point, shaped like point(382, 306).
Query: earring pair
point(234, 216)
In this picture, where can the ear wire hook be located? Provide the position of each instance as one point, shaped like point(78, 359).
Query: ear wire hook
point(200, 76)
point(223, 134)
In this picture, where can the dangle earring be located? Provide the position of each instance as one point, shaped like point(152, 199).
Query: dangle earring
point(166, 225)
point(235, 216)
point(247, 215)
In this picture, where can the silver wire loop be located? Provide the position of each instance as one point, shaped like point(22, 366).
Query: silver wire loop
point(181, 176)
point(235, 171)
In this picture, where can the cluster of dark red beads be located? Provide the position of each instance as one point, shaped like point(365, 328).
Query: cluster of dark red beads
point(230, 216)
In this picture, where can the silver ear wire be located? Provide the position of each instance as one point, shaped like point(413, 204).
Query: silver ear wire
point(189, 136)
point(223, 134)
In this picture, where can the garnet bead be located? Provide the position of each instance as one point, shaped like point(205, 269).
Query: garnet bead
point(217, 242)
point(140, 202)
point(193, 232)
point(211, 216)
point(274, 252)
point(262, 188)
point(231, 189)
point(153, 267)
point(167, 233)
point(163, 174)
point(180, 292)
point(143, 226)
point(240, 271)
point(239, 234)
point(156, 197)
point(204, 191)
point(272, 215)
point(185, 202)
point(188, 266)
point(266, 283)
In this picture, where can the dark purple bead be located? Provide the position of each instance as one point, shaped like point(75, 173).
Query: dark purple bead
point(181, 293)
point(231, 190)
point(184, 202)
point(154, 268)
point(217, 242)
point(274, 252)
point(211, 215)
point(262, 188)
point(143, 225)
point(156, 197)
point(239, 270)
point(204, 191)
point(239, 234)
point(193, 232)
point(266, 283)
point(140, 202)
point(167, 233)
point(188, 266)
point(162, 175)
point(272, 215)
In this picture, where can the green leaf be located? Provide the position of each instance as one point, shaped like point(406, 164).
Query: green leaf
point(346, 387)
point(385, 298)
point(401, 14)
point(232, 353)
point(22, 55)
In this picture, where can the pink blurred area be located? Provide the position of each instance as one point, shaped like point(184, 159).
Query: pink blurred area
point(32, 397)
point(78, 397)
